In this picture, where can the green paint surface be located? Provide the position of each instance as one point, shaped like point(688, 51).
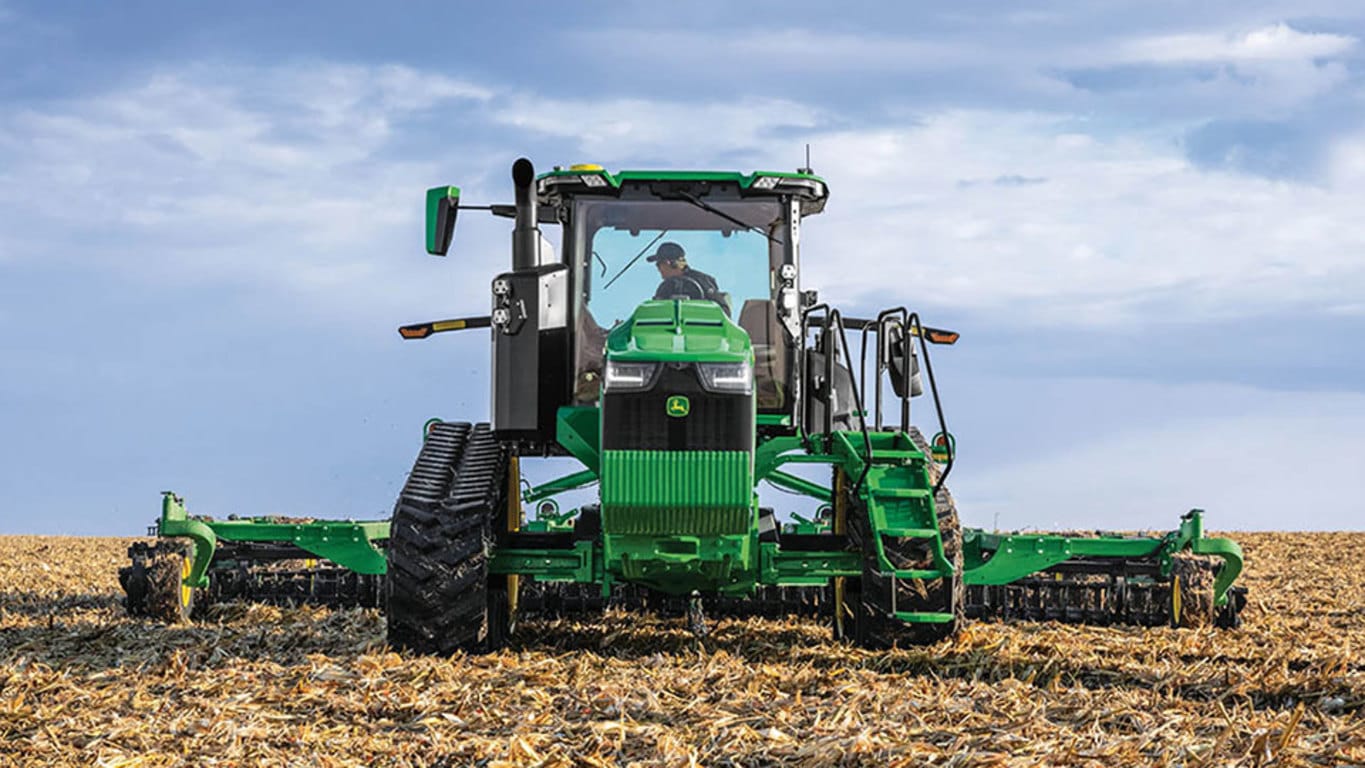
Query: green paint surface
point(676, 492)
point(679, 331)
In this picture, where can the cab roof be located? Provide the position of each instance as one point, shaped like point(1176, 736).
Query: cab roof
point(586, 178)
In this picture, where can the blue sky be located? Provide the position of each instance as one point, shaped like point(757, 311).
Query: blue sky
point(1143, 217)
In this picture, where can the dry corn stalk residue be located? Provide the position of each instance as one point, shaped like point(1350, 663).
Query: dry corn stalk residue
point(81, 683)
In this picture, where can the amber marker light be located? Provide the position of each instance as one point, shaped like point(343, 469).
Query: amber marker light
point(937, 336)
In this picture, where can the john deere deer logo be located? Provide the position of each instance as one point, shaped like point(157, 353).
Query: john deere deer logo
point(677, 406)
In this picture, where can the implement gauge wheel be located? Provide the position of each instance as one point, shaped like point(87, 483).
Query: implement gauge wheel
point(441, 598)
point(1192, 591)
point(154, 584)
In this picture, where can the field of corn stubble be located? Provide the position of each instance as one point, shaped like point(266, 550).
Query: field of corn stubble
point(82, 684)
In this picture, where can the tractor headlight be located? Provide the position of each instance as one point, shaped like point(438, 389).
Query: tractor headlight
point(628, 377)
point(731, 378)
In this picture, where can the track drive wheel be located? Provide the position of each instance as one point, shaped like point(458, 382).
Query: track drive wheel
point(441, 598)
point(154, 584)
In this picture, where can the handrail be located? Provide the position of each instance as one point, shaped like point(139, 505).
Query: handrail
point(938, 404)
point(833, 319)
point(910, 323)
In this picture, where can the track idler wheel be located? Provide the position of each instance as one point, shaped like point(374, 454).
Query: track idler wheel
point(154, 583)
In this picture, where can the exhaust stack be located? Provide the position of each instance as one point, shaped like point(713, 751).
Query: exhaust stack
point(525, 235)
point(530, 319)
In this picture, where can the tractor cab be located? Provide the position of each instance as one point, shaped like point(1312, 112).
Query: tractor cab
point(632, 241)
point(727, 238)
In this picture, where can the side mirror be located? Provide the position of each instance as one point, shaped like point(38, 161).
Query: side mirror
point(901, 362)
point(442, 205)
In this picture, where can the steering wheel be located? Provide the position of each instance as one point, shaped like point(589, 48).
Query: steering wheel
point(679, 285)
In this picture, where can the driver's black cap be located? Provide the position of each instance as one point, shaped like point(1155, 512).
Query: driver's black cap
point(667, 252)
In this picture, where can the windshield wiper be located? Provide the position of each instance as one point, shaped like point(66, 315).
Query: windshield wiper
point(705, 206)
point(631, 263)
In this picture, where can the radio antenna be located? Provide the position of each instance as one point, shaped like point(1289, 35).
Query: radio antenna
point(806, 170)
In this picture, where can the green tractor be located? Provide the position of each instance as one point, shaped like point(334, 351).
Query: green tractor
point(670, 351)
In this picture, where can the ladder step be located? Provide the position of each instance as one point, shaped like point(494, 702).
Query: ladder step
point(900, 493)
point(910, 533)
point(892, 455)
point(924, 618)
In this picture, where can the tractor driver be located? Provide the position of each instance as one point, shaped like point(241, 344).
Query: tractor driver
point(678, 279)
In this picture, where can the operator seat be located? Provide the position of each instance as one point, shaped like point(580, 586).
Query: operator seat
point(589, 352)
point(758, 318)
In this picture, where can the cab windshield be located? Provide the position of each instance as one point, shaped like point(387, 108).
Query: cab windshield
point(627, 253)
point(618, 239)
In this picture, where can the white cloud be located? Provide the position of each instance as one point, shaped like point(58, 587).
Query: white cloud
point(1261, 70)
point(1277, 42)
point(1346, 162)
point(1112, 228)
point(1270, 72)
point(1121, 226)
point(305, 179)
point(789, 48)
point(275, 176)
point(687, 133)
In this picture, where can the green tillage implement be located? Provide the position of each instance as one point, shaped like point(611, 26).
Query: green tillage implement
point(992, 559)
point(260, 558)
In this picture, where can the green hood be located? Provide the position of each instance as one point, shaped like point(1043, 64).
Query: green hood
point(679, 330)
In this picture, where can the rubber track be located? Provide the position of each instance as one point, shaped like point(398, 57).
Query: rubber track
point(438, 580)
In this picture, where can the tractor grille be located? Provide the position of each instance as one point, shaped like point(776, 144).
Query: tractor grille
point(676, 492)
point(639, 420)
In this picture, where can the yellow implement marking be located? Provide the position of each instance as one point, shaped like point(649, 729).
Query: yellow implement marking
point(185, 592)
point(840, 523)
point(513, 524)
point(1175, 601)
